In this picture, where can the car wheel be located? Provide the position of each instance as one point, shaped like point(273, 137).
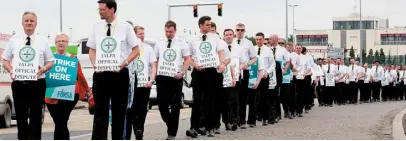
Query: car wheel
point(5, 120)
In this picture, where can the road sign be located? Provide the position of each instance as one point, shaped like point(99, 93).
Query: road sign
point(335, 53)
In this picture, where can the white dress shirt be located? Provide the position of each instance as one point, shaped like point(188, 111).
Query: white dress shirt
point(333, 70)
point(342, 70)
point(248, 48)
point(213, 38)
point(121, 30)
point(302, 64)
point(38, 42)
point(148, 55)
point(175, 43)
point(377, 73)
point(265, 56)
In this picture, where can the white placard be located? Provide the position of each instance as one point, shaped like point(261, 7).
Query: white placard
point(26, 64)
point(385, 81)
point(207, 55)
point(168, 61)
point(272, 79)
point(330, 81)
point(227, 78)
point(141, 68)
point(108, 54)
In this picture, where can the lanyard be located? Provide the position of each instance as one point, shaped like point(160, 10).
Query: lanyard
point(114, 28)
point(142, 51)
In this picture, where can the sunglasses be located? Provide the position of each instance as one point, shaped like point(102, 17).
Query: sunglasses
point(265, 43)
point(281, 43)
point(242, 30)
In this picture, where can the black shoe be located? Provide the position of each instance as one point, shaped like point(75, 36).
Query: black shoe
point(234, 127)
point(264, 123)
point(271, 122)
point(252, 125)
point(170, 137)
point(306, 111)
point(138, 135)
point(201, 132)
point(300, 115)
point(211, 133)
point(217, 131)
point(243, 126)
point(228, 126)
point(191, 133)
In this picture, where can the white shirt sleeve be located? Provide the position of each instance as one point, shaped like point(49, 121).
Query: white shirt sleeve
point(251, 49)
point(272, 63)
point(91, 42)
point(152, 57)
point(132, 40)
point(185, 49)
point(156, 49)
point(8, 52)
point(48, 56)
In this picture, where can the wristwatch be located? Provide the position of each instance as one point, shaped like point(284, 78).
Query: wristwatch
point(126, 62)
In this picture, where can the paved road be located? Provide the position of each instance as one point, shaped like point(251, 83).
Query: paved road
point(364, 121)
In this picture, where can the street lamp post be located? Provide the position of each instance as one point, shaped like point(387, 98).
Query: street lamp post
point(360, 32)
point(293, 30)
point(70, 34)
point(287, 19)
point(60, 14)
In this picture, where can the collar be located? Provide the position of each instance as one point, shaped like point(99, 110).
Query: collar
point(113, 22)
point(31, 36)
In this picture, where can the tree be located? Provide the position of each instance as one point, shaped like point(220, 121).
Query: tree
point(252, 39)
point(364, 56)
point(290, 38)
point(376, 57)
point(400, 59)
point(382, 56)
point(389, 59)
point(352, 53)
point(370, 56)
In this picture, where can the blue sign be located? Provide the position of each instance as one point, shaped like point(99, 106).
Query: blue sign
point(286, 76)
point(253, 70)
point(61, 78)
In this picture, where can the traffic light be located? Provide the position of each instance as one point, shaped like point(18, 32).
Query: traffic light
point(195, 11)
point(220, 9)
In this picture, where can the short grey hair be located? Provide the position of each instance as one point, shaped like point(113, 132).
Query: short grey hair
point(30, 12)
point(62, 34)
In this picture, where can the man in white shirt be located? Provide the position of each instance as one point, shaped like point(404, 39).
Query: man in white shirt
point(230, 98)
point(399, 85)
point(28, 89)
point(208, 60)
point(364, 79)
point(249, 54)
point(281, 55)
point(340, 79)
point(352, 72)
point(173, 61)
point(320, 84)
point(113, 46)
point(377, 72)
point(302, 72)
point(145, 68)
point(329, 70)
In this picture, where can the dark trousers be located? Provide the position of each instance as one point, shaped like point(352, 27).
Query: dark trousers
point(363, 97)
point(376, 91)
point(385, 92)
point(264, 98)
point(309, 92)
point(367, 90)
point(329, 94)
point(169, 94)
point(346, 93)
point(138, 112)
point(243, 96)
point(60, 113)
point(353, 95)
point(273, 103)
point(110, 86)
point(278, 105)
point(339, 97)
point(251, 100)
point(209, 84)
point(320, 96)
point(399, 90)
point(230, 105)
point(288, 98)
point(302, 87)
point(28, 99)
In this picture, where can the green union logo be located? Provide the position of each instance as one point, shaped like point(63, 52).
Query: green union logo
point(108, 45)
point(205, 47)
point(27, 54)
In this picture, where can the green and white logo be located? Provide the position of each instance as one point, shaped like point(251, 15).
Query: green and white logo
point(108, 45)
point(27, 54)
point(271, 75)
point(376, 74)
point(330, 77)
point(205, 47)
point(169, 55)
point(140, 66)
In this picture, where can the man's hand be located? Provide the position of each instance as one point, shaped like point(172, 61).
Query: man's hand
point(255, 86)
point(265, 75)
point(199, 68)
point(41, 71)
point(283, 71)
point(234, 82)
point(122, 65)
point(178, 76)
point(221, 68)
point(11, 76)
point(148, 84)
point(244, 66)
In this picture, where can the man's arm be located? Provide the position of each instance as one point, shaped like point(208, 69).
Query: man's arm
point(134, 53)
point(153, 70)
point(186, 64)
point(7, 65)
point(92, 56)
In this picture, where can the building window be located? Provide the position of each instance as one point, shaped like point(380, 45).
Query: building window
point(352, 25)
point(312, 40)
point(393, 39)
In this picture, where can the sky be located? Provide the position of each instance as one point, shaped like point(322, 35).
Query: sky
point(267, 16)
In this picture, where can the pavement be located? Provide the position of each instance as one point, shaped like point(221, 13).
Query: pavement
point(370, 121)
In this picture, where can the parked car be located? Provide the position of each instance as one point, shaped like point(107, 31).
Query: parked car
point(187, 96)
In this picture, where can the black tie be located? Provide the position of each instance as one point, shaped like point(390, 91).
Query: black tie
point(169, 43)
point(274, 51)
point(398, 75)
point(259, 50)
point(338, 67)
point(204, 37)
point(229, 47)
point(28, 41)
point(238, 41)
point(108, 29)
point(328, 70)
